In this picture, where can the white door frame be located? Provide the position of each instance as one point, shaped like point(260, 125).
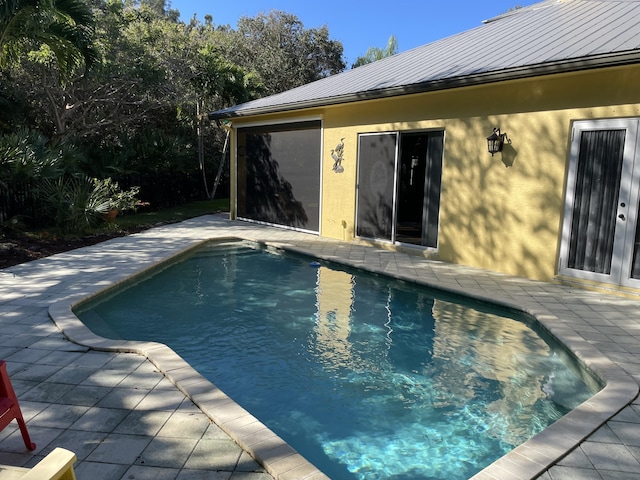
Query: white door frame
point(627, 209)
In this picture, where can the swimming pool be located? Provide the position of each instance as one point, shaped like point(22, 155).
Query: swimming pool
point(489, 380)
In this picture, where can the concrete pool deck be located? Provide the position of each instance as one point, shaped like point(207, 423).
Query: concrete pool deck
point(132, 416)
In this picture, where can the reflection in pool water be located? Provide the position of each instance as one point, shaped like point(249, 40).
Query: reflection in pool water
point(366, 376)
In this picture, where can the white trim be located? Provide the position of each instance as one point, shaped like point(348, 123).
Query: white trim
point(632, 209)
point(396, 189)
point(321, 186)
point(233, 175)
point(444, 143)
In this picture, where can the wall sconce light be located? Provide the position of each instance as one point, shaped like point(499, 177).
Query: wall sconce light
point(495, 141)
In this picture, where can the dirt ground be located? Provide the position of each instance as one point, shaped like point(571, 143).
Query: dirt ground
point(16, 248)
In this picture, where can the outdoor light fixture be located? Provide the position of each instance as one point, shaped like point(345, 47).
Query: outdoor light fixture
point(495, 141)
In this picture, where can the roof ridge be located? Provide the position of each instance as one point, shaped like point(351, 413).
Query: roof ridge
point(518, 10)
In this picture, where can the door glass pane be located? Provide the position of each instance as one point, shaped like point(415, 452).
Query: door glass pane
point(635, 266)
point(431, 219)
point(596, 199)
point(376, 167)
point(411, 187)
point(419, 177)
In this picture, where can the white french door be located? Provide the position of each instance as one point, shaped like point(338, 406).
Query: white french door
point(600, 235)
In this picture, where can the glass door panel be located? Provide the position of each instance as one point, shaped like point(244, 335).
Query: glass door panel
point(601, 210)
point(278, 178)
point(635, 265)
point(419, 178)
point(411, 187)
point(376, 180)
point(595, 201)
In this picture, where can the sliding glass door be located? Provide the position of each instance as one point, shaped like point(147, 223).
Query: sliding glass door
point(399, 177)
point(419, 174)
point(376, 179)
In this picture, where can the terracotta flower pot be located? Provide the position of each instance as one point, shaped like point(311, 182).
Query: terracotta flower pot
point(111, 215)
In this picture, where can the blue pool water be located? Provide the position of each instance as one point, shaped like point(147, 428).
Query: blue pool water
point(366, 376)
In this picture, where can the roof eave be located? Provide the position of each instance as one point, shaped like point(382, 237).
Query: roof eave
point(564, 66)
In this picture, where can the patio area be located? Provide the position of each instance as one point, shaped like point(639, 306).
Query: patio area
point(136, 411)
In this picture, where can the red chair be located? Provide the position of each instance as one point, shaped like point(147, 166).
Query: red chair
point(9, 408)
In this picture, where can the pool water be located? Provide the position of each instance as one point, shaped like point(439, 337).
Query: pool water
point(366, 376)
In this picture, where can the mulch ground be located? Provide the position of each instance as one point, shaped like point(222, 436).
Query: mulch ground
point(16, 248)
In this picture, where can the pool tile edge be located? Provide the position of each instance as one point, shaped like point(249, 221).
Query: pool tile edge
point(272, 452)
point(526, 461)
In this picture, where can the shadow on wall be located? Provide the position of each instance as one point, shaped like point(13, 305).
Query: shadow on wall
point(504, 213)
point(376, 170)
point(501, 213)
point(505, 219)
point(269, 196)
point(509, 154)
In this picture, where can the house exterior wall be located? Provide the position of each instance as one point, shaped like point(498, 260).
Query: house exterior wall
point(502, 213)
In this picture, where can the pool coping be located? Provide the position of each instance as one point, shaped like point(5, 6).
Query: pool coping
point(527, 461)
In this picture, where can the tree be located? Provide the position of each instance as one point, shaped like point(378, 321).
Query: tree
point(47, 30)
point(54, 38)
point(284, 53)
point(374, 53)
point(153, 70)
point(138, 114)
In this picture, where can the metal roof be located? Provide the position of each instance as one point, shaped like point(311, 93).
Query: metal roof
point(552, 36)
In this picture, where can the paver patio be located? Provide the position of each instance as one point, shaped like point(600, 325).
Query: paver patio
point(124, 417)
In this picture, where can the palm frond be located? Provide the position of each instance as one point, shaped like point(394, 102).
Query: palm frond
point(66, 27)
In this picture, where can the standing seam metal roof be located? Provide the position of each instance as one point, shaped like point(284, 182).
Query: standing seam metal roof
point(548, 37)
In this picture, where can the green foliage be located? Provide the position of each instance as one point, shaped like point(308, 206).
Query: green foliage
point(25, 155)
point(284, 53)
point(12, 106)
point(107, 195)
point(121, 88)
point(48, 31)
point(77, 203)
point(73, 202)
point(374, 54)
point(174, 214)
point(217, 76)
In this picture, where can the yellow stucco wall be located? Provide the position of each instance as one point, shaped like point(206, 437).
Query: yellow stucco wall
point(504, 212)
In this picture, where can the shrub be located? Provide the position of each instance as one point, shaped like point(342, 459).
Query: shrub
point(73, 203)
point(114, 197)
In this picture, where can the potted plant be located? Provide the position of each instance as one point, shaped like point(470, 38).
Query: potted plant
point(113, 200)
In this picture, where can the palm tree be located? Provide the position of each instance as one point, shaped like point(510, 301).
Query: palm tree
point(63, 29)
point(375, 53)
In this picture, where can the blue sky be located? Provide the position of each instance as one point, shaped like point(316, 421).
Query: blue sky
point(360, 24)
